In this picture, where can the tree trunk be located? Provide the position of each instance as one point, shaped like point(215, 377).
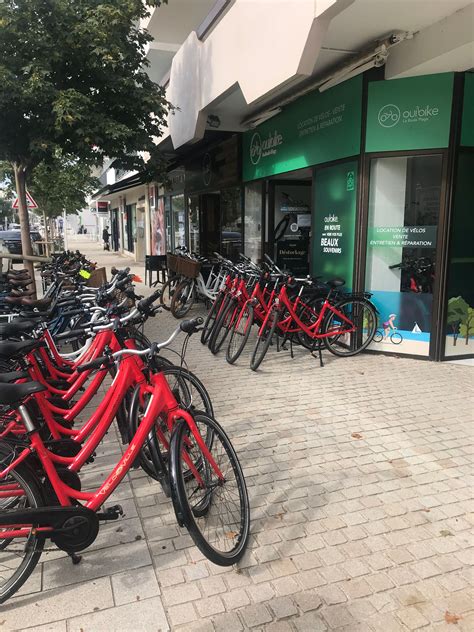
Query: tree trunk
point(20, 183)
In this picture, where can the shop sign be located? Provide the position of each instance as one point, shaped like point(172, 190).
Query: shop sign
point(176, 179)
point(334, 222)
point(292, 255)
point(319, 127)
point(467, 131)
point(216, 168)
point(411, 113)
point(402, 236)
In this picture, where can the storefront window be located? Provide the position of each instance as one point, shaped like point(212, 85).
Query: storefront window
point(193, 217)
point(129, 227)
point(179, 220)
point(460, 288)
point(231, 209)
point(404, 202)
point(253, 221)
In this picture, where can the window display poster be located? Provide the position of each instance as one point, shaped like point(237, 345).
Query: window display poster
point(158, 238)
point(404, 199)
point(335, 204)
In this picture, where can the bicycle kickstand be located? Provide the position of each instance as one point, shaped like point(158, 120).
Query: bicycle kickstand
point(75, 559)
point(291, 348)
point(321, 363)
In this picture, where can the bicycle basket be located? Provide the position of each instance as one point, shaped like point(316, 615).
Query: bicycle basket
point(172, 262)
point(188, 267)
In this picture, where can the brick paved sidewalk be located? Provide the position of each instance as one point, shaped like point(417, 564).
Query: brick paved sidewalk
point(360, 478)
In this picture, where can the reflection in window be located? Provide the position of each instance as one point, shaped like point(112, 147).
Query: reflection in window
point(179, 220)
point(253, 221)
point(193, 218)
point(231, 210)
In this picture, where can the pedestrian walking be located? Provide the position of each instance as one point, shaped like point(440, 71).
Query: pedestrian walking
point(106, 238)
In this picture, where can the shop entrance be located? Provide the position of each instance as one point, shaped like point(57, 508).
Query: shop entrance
point(289, 221)
point(115, 229)
point(210, 225)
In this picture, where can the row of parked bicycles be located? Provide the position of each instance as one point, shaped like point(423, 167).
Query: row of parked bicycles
point(54, 357)
point(284, 309)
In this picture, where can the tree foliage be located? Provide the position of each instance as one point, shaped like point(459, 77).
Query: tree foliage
point(73, 79)
point(72, 76)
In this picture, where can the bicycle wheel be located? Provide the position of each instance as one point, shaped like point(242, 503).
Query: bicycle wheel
point(168, 291)
point(264, 340)
point(183, 298)
point(223, 326)
point(240, 333)
point(191, 395)
point(396, 338)
point(346, 343)
point(211, 318)
point(18, 556)
point(378, 336)
point(215, 510)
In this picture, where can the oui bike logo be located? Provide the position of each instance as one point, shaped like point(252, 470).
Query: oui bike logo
point(390, 115)
point(266, 147)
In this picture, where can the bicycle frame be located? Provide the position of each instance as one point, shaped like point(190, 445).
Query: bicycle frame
point(162, 399)
point(313, 331)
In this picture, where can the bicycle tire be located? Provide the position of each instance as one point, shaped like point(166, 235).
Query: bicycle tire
point(167, 291)
point(196, 506)
point(24, 477)
point(359, 340)
point(211, 318)
point(183, 291)
point(222, 327)
point(264, 340)
point(234, 353)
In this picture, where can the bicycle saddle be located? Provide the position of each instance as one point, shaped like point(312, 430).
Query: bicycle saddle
point(12, 393)
point(10, 350)
point(28, 302)
point(12, 376)
point(333, 283)
point(16, 327)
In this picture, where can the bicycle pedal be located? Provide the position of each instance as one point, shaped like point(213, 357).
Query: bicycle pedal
point(111, 513)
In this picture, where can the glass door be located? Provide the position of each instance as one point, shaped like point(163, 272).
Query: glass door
point(404, 206)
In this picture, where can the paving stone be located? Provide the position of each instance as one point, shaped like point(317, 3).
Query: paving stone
point(227, 622)
point(412, 618)
point(134, 585)
point(282, 607)
point(180, 594)
point(53, 605)
point(256, 615)
point(141, 616)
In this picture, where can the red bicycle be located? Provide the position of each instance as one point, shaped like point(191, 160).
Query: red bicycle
point(207, 484)
point(345, 326)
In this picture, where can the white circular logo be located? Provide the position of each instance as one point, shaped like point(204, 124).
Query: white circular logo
point(255, 149)
point(389, 115)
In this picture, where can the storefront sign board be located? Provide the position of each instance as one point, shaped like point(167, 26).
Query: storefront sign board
point(411, 113)
point(467, 130)
point(317, 128)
